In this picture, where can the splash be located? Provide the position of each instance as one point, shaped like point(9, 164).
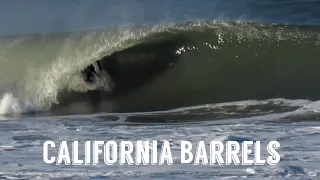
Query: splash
point(11, 105)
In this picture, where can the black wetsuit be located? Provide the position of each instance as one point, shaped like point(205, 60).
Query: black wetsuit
point(90, 72)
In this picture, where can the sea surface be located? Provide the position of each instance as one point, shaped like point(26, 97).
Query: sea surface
point(224, 70)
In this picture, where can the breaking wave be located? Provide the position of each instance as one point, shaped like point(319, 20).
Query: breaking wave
point(206, 62)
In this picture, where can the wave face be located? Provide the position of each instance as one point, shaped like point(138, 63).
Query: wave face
point(206, 62)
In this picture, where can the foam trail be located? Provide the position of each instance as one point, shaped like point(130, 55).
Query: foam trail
point(11, 105)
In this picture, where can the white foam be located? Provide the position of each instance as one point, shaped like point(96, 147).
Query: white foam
point(311, 107)
point(11, 105)
point(7, 147)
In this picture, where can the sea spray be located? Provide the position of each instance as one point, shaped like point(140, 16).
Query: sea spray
point(11, 105)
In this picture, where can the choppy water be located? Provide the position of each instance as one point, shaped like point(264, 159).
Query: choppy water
point(234, 70)
point(22, 154)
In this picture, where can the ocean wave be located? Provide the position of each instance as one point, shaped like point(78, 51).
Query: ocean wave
point(209, 62)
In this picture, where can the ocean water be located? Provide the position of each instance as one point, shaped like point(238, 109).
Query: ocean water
point(202, 70)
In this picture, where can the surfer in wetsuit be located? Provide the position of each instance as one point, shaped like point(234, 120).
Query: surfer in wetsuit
point(94, 77)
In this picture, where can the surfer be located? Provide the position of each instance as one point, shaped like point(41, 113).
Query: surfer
point(94, 77)
point(123, 71)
